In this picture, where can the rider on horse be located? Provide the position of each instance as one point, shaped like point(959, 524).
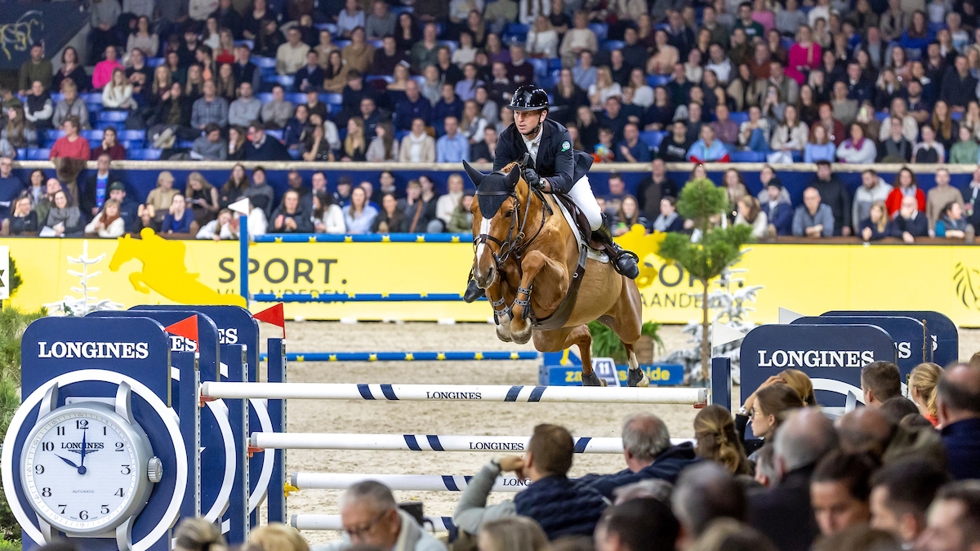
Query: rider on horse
point(554, 167)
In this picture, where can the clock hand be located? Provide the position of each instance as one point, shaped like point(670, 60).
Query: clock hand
point(82, 462)
point(81, 469)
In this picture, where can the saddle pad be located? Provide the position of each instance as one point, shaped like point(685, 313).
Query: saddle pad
point(598, 256)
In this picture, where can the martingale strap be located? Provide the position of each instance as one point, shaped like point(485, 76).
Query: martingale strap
point(560, 316)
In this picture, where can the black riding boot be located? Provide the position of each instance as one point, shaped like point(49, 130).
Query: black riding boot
point(473, 292)
point(625, 262)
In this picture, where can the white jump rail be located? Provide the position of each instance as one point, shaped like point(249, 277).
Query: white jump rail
point(461, 393)
point(400, 482)
point(421, 442)
point(332, 522)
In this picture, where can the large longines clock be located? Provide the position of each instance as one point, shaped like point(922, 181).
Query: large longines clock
point(88, 468)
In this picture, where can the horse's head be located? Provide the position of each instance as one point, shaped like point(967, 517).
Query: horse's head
point(494, 220)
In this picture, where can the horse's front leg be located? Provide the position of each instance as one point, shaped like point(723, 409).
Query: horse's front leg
point(551, 285)
point(501, 310)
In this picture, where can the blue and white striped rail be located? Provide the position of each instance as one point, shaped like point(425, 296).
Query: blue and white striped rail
point(409, 356)
point(332, 522)
point(359, 297)
point(457, 393)
point(421, 442)
point(364, 238)
point(400, 482)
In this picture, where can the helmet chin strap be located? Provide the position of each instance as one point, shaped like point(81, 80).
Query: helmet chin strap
point(534, 133)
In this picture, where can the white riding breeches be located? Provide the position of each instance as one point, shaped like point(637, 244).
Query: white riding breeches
point(582, 196)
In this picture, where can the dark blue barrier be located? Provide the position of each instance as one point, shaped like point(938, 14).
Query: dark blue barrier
point(831, 355)
point(912, 341)
point(946, 340)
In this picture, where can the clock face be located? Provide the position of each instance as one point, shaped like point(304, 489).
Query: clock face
point(81, 470)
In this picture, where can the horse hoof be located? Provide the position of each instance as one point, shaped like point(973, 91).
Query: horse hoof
point(636, 377)
point(592, 380)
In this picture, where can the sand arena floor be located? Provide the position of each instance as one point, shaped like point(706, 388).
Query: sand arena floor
point(444, 418)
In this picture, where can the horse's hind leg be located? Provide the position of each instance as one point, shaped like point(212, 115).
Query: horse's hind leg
point(626, 320)
point(554, 341)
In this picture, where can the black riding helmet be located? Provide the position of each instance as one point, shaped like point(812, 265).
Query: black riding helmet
point(529, 98)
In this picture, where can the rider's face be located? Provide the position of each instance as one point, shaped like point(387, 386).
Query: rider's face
point(528, 121)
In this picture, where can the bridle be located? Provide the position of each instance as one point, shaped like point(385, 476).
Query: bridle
point(515, 242)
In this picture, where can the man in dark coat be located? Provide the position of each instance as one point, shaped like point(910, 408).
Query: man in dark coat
point(958, 399)
point(263, 147)
point(834, 194)
point(96, 189)
point(561, 506)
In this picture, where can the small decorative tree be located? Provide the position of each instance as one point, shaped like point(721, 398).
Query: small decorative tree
point(711, 249)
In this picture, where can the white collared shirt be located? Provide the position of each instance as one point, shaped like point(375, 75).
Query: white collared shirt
point(533, 145)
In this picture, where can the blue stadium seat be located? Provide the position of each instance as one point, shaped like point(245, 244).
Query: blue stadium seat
point(114, 116)
point(334, 99)
point(652, 138)
point(129, 146)
point(341, 43)
point(654, 81)
point(91, 97)
point(517, 28)
point(739, 117)
point(327, 27)
point(286, 81)
point(131, 135)
point(102, 125)
point(540, 66)
point(419, 79)
point(611, 45)
point(295, 98)
point(91, 135)
point(601, 30)
point(38, 154)
point(155, 62)
point(55, 98)
point(376, 44)
point(145, 154)
point(452, 44)
point(51, 135)
point(748, 157)
point(264, 62)
point(398, 10)
point(249, 43)
point(265, 97)
point(184, 144)
point(554, 64)
point(384, 78)
point(957, 116)
point(400, 135)
point(277, 134)
point(22, 153)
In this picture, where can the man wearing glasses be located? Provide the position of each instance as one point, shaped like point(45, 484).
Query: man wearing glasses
point(371, 517)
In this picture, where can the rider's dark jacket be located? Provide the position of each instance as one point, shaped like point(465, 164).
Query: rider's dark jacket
point(557, 161)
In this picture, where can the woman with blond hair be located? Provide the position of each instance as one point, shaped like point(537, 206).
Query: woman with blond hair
point(277, 537)
point(922, 389)
point(717, 440)
point(355, 147)
point(604, 88)
point(801, 383)
point(198, 534)
point(512, 534)
point(202, 198)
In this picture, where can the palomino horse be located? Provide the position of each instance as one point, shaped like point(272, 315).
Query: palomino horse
point(527, 257)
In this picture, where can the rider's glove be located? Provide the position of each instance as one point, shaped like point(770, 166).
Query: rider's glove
point(532, 179)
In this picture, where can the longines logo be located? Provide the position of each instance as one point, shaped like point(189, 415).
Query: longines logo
point(93, 350)
point(815, 358)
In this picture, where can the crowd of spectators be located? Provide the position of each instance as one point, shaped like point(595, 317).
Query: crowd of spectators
point(781, 474)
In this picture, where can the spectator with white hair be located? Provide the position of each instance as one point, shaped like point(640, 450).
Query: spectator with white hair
point(706, 492)
point(371, 517)
point(958, 400)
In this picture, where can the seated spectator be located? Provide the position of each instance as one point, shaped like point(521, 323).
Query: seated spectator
point(388, 58)
point(217, 229)
point(102, 74)
point(452, 147)
point(561, 506)
point(355, 144)
point(964, 151)
point(726, 130)
point(46, 201)
point(71, 105)
point(840, 490)
point(64, 219)
point(289, 216)
point(243, 69)
point(417, 208)
point(766, 409)
point(22, 219)
point(194, 82)
point(391, 218)
point(110, 145)
point(669, 220)
point(813, 218)
point(39, 109)
point(71, 145)
point(210, 146)
point(412, 107)
point(956, 394)
point(923, 380)
point(953, 225)
point(259, 192)
point(705, 495)
point(237, 138)
point(465, 89)
point(178, 219)
point(449, 105)
point(310, 76)
point(359, 215)
point(639, 523)
point(72, 70)
point(707, 149)
point(118, 93)
point(246, 108)
point(225, 81)
point(107, 224)
point(383, 146)
point(675, 145)
point(876, 225)
point(234, 187)
point(19, 132)
point(358, 55)
point(514, 534)
point(750, 214)
point(462, 218)
point(629, 215)
point(172, 119)
point(209, 109)
point(753, 134)
point(631, 149)
point(35, 68)
point(318, 149)
point(143, 39)
point(792, 135)
point(11, 186)
point(298, 129)
point(895, 148)
point(857, 149)
point(291, 55)
point(942, 123)
point(202, 198)
point(928, 151)
point(160, 198)
point(372, 518)
point(778, 210)
point(466, 51)
point(328, 217)
point(909, 222)
point(262, 147)
point(269, 40)
point(819, 148)
point(906, 185)
point(716, 440)
point(370, 115)
point(276, 113)
point(97, 186)
point(900, 497)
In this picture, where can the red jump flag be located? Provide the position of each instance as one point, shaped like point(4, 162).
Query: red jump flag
point(274, 316)
point(186, 328)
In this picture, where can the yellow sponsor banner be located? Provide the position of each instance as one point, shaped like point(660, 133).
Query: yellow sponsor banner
point(809, 279)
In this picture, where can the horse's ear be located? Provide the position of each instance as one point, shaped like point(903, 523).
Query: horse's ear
point(475, 175)
point(513, 177)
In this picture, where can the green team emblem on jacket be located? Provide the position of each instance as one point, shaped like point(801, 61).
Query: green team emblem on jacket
point(565, 146)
